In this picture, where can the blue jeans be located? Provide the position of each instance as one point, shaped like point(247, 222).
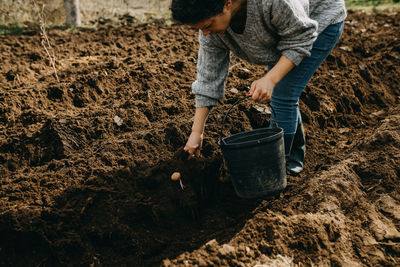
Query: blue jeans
point(286, 95)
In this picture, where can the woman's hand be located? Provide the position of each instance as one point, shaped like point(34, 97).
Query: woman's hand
point(193, 145)
point(261, 90)
point(195, 141)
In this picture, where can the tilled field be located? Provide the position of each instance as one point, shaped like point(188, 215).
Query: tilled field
point(85, 163)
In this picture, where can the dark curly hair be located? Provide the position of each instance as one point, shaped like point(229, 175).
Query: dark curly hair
point(194, 11)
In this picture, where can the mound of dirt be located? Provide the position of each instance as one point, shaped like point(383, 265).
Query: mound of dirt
point(85, 163)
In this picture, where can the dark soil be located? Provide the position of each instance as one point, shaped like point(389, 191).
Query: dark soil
point(85, 163)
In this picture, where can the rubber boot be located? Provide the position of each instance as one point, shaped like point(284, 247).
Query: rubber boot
point(294, 163)
point(288, 140)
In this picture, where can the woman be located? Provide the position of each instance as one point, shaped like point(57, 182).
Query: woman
point(290, 37)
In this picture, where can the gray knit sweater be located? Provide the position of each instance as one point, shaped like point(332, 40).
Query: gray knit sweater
point(273, 28)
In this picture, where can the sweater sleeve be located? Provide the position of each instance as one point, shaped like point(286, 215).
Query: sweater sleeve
point(212, 70)
point(296, 31)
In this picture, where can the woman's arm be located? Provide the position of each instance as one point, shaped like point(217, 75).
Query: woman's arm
point(194, 143)
point(200, 118)
point(212, 70)
point(261, 89)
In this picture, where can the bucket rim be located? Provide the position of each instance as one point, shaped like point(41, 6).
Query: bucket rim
point(224, 142)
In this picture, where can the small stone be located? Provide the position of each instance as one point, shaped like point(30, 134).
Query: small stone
point(118, 120)
point(378, 113)
point(166, 263)
point(234, 91)
point(344, 130)
point(250, 252)
point(211, 245)
point(202, 263)
point(264, 109)
point(226, 250)
point(346, 48)
point(363, 66)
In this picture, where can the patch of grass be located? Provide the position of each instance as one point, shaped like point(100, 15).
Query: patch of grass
point(16, 28)
point(371, 3)
point(13, 29)
point(387, 8)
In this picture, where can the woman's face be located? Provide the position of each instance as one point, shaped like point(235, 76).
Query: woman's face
point(218, 23)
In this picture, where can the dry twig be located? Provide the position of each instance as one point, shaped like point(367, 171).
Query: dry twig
point(44, 40)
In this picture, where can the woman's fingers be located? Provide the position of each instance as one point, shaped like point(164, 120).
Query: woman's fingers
point(261, 90)
point(193, 145)
point(197, 153)
point(252, 88)
point(193, 151)
point(259, 95)
point(194, 154)
point(256, 92)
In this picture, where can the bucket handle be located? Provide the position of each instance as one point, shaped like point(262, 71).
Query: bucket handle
point(275, 125)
